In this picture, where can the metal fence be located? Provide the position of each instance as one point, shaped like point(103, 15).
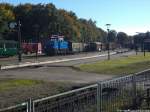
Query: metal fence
point(78, 100)
point(23, 107)
point(130, 92)
point(125, 93)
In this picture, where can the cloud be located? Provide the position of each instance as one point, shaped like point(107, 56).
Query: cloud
point(133, 30)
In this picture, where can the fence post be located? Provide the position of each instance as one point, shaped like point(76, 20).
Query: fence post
point(148, 97)
point(99, 97)
point(134, 94)
point(30, 105)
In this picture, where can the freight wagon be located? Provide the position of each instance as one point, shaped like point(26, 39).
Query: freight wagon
point(78, 47)
point(94, 46)
point(98, 46)
point(31, 48)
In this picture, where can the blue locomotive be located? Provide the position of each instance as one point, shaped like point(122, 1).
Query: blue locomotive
point(56, 45)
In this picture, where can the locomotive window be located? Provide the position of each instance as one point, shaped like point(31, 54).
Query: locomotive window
point(9, 45)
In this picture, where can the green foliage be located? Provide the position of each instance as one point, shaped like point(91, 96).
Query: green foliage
point(89, 31)
point(112, 36)
point(6, 15)
point(42, 20)
point(122, 38)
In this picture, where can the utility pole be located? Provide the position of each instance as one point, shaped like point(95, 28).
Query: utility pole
point(36, 26)
point(19, 40)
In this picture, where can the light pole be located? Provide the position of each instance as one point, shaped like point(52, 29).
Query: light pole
point(108, 26)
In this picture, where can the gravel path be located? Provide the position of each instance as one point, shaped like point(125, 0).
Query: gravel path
point(65, 74)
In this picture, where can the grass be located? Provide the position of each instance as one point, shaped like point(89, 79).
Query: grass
point(123, 65)
point(14, 83)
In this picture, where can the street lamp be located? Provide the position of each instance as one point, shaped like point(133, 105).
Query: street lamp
point(108, 26)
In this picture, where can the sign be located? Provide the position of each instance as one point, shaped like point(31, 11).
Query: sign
point(12, 25)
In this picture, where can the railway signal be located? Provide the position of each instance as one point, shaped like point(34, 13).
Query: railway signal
point(14, 25)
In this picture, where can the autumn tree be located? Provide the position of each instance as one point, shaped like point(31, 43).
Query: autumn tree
point(42, 20)
point(6, 16)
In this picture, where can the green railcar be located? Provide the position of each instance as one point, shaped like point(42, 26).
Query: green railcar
point(8, 48)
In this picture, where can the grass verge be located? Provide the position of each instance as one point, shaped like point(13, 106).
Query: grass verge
point(14, 83)
point(123, 65)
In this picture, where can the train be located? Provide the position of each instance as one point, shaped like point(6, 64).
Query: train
point(54, 45)
point(57, 45)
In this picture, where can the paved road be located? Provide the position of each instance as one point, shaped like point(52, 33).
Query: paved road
point(60, 71)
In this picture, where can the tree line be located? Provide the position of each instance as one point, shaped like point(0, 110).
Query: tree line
point(42, 20)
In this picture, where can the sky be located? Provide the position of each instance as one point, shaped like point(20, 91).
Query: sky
point(129, 16)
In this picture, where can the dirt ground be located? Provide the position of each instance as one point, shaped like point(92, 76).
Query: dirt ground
point(19, 95)
point(55, 81)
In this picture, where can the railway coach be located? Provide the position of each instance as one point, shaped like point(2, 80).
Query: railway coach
point(8, 48)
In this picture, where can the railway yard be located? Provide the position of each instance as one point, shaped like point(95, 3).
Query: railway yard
point(52, 78)
point(74, 56)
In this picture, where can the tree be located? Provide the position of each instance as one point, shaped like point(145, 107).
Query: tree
point(122, 39)
point(112, 36)
point(6, 16)
point(43, 20)
point(90, 32)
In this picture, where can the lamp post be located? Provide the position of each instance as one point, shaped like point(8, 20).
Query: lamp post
point(108, 26)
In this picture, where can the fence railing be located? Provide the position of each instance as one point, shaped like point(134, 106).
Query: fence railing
point(115, 95)
point(72, 101)
point(131, 92)
point(23, 107)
